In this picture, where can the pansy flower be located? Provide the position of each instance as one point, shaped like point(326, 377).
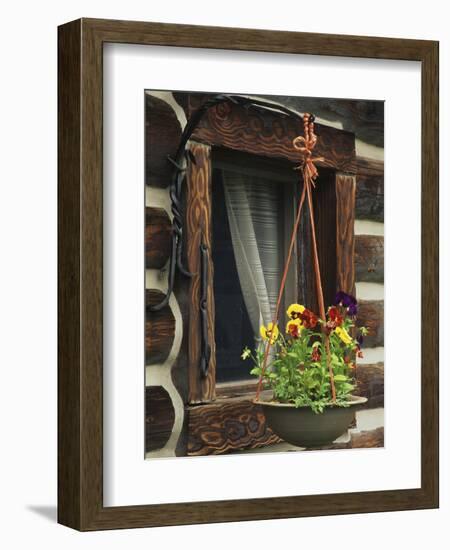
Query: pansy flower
point(344, 335)
point(294, 327)
point(315, 355)
point(335, 319)
point(295, 310)
point(309, 319)
point(270, 331)
point(348, 301)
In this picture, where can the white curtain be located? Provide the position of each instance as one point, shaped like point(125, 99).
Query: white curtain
point(253, 208)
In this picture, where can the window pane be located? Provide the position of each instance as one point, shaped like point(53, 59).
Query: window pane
point(248, 254)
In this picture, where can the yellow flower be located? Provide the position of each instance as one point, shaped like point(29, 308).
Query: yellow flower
point(246, 353)
point(294, 327)
point(270, 331)
point(294, 310)
point(344, 335)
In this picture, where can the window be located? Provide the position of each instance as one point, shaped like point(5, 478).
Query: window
point(253, 202)
point(239, 183)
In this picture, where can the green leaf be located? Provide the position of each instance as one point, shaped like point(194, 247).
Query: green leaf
point(340, 378)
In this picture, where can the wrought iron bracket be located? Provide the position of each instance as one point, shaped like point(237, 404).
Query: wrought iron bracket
point(205, 348)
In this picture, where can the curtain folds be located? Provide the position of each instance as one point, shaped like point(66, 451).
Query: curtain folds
point(253, 205)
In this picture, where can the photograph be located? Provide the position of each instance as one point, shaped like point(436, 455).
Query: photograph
point(235, 340)
point(264, 273)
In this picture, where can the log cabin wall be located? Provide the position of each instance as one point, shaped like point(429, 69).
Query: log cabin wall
point(167, 385)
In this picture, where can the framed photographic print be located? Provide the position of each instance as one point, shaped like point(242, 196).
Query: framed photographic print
point(248, 274)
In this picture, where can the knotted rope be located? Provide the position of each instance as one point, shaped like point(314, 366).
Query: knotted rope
point(305, 145)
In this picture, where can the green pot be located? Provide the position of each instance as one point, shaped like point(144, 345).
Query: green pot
point(302, 427)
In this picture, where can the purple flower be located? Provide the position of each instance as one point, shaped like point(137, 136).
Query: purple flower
point(348, 301)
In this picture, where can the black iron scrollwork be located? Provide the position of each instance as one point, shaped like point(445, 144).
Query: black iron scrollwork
point(205, 348)
point(179, 173)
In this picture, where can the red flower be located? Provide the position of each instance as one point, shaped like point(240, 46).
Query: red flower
point(315, 355)
point(294, 327)
point(309, 319)
point(335, 316)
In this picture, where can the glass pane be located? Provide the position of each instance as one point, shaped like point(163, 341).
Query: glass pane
point(248, 254)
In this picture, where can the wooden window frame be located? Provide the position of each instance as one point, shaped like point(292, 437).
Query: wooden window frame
point(270, 136)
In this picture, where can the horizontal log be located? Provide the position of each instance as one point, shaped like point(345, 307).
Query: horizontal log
point(369, 167)
point(370, 383)
point(159, 417)
point(369, 258)
point(358, 440)
point(162, 135)
point(369, 197)
point(367, 439)
point(158, 236)
point(159, 329)
point(227, 425)
point(369, 189)
point(236, 389)
point(371, 316)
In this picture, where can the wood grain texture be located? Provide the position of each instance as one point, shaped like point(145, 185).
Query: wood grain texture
point(367, 439)
point(162, 135)
point(325, 212)
point(159, 417)
point(69, 253)
point(80, 370)
point(370, 384)
point(228, 425)
point(159, 329)
point(369, 189)
point(369, 167)
point(430, 271)
point(370, 198)
point(345, 232)
point(198, 230)
point(358, 440)
point(369, 258)
point(158, 237)
point(271, 135)
point(371, 315)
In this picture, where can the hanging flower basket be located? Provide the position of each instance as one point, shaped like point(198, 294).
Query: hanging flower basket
point(311, 368)
point(302, 427)
point(311, 373)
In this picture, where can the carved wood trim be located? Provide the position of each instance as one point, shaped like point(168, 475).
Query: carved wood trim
point(228, 424)
point(270, 134)
point(198, 227)
point(345, 232)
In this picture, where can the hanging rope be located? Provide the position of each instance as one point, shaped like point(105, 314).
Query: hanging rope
point(305, 145)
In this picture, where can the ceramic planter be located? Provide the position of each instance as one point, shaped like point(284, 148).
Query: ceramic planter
point(302, 427)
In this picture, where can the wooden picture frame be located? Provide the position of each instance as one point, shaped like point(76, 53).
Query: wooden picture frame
point(80, 272)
